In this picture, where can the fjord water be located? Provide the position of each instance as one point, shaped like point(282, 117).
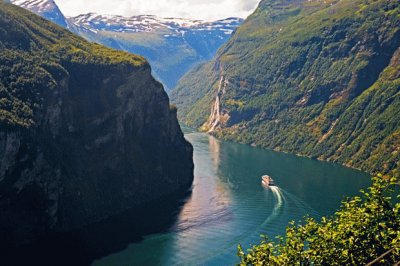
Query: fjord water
point(228, 204)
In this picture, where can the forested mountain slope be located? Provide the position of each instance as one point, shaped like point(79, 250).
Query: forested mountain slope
point(85, 131)
point(315, 78)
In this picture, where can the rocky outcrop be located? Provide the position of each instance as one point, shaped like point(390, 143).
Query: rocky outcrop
point(102, 138)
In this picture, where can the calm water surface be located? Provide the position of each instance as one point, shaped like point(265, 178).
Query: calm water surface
point(228, 205)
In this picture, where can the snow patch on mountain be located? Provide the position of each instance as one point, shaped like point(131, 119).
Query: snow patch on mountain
point(37, 5)
point(150, 23)
point(45, 8)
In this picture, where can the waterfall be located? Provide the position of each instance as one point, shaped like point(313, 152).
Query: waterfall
point(215, 117)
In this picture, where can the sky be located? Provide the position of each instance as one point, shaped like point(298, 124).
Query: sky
point(194, 9)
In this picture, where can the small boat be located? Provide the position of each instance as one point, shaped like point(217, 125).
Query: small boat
point(267, 181)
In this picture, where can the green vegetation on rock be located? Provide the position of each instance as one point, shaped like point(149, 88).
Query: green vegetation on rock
point(34, 55)
point(314, 78)
point(366, 229)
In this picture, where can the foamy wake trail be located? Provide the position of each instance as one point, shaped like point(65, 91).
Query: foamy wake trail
point(280, 199)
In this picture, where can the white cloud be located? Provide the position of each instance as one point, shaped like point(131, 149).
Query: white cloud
point(195, 9)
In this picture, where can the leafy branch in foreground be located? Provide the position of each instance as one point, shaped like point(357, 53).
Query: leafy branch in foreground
point(366, 229)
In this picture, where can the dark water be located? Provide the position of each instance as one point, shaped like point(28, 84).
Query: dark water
point(228, 205)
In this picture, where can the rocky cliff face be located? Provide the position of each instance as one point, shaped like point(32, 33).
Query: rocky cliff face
point(85, 132)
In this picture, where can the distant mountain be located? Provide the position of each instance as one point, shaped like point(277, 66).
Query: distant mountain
point(172, 45)
point(315, 78)
point(44, 8)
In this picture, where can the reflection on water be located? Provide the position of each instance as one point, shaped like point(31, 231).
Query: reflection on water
point(214, 151)
point(97, 240)
point(210, 197)
point(228, 204)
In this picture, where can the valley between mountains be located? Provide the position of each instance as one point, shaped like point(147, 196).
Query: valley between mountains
point(172, 45)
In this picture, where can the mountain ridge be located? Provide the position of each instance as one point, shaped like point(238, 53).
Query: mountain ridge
point(147, 23)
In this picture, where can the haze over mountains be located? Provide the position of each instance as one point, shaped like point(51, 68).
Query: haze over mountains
point(172, 45)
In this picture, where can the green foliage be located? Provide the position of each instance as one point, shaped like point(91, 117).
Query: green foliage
point(35, 56)
point(365, 228)
point(318, 78)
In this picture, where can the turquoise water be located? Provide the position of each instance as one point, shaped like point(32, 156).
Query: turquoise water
point(229, 205)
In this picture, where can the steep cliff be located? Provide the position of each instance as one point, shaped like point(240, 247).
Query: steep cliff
point(85, 131)
point(314, 78)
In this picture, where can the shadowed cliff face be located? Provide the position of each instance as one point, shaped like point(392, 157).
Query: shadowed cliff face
point(86, 133)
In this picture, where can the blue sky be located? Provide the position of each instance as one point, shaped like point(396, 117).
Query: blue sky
point(197, 9)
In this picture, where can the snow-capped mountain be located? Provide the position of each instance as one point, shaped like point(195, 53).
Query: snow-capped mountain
point(149, 23)
point(172, 45)
point(45, 8)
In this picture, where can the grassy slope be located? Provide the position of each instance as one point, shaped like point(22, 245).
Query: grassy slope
point(319, 79)
point(32, 55)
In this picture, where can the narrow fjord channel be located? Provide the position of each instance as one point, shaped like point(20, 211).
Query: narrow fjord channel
point(228, 204)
